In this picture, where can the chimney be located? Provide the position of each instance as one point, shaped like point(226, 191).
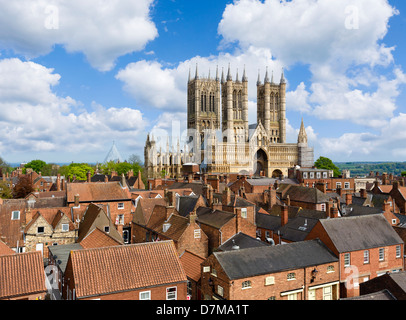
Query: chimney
point(204, 178)
point(386, 207)
point(192, 217)
point(58, 182)
point(348, 199)
point(88, 176)
point(401, 183)
point(130, 174)
point(190, 177)
point(226, 179)
point(242, 192)
point(363, 193)
point(77, 200)
point(272, 197)
point(113, 174)
point(385, 178)
point(28, 216)
point(284, 215)
point(171, 199)
point(226, 198)
point(288, 200)
point(321, 186)
point(334, 211)
point(340, 192)
point(123, 181)
point(395, 185)
point(106, 178)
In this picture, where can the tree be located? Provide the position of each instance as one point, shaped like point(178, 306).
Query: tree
point(4, 166)
point(403, 174)
point(5, 190)
point(36, 165)
point(79, 170)
point(326, 163)
point(23, 187)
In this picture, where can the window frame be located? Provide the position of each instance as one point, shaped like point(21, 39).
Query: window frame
point(145, 292)
point(65, 225)
point(175, 292)
point(244, 213)
point(381, 254)
point(12, 214)
point(246, 284)
point(43, 228)
point(366, 256)
point(398, 251)
point(120, 205)
point(347, 256)
point(291, 276)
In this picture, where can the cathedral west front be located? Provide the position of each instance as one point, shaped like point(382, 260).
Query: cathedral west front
point(219, 136)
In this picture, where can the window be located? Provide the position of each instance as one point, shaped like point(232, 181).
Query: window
point(393, 221)
point(311, 175)
point(145, 295)
point(338, 185)
point(107, 229)
point(244, 213)
point(15, 215)
point(40, 229)
point(381, 254)
point(166, 226)
point(398, 251)
point(347, 259)
point(323, 207)
point(246, 284)
point(272, 298)
point(346, 185)
point(366, 256)
point(171, 293)
point(206, 269)
point(291, 276)
point(214, 272)
point(330, 269)
point(120, 205)
point(120, 219)
point(65, 227)
point(324, 175)
point(318, 175)
point(220, 290)
point(304, 175)
point(197, 234)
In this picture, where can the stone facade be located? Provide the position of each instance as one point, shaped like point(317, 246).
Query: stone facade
point(219, 137)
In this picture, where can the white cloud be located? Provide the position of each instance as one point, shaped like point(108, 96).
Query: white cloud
point(33, 118)
point(102, 30)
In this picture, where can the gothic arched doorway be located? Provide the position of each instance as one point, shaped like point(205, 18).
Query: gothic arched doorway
point(277, 173)
point(261, 163)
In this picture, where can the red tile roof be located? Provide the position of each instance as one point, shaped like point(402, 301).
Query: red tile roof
point(191, 264)
point(21, 274)
point(122, 268)
point(97, 192)
point(98, 239)
point(5, 250)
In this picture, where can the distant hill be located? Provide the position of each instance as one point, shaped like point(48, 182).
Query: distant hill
point(364, 168)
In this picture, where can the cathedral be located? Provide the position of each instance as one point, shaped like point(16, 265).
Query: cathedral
point(219, 137)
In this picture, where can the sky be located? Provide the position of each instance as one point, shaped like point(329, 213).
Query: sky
point(78, 76)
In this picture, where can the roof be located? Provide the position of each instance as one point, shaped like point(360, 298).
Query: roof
point(178, 225)
point(269, 181)
point(62, 253)
point(98, 239)
point(186, 204)
point(144, 209)
point(5, 250)
point(267, 221)
point(360, 232)
point(305, 194)
point(21, 274)
point(213, 218)
point(96, 191)
point(122, 268)
point(10, 230)
point(244, 263)
point(243, 241)
point(191, 264)
point(380, 295)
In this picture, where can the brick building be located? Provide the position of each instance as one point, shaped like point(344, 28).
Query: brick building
point(367, 247)
point(147, 271)
point(305, 270)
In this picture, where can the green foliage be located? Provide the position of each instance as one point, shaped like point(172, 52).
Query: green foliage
point(36, 165)
point(133, 163)
point(361, 169)
point(326, 163)
point(5, 190)
point(76, 169)
point(403, 174)
point(4, 166)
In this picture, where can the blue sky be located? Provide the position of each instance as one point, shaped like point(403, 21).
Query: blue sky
point(75, 77)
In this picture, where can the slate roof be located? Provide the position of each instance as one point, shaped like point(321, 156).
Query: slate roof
point(267, 221)
point(62, 253)
point(244, 263)
point(21, 274)
point(186, 204)
point(378, 296)
point(213, 218)
point(243, 241)
point(360, 232)
point(197, 187)
point(122, 268)
point(304, 194)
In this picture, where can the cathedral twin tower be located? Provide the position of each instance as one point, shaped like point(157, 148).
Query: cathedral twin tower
point(221, 105)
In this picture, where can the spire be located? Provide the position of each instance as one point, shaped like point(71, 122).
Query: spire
point(217, 73)
point(259, 78)
point(283, 77)
point(244, 76)
point(302, 137)
point(197, 72)
point(209, 74)
point(229, 77)
point(237, 77)
point(266, 80)
point(222, 75)
point(190, 77)
point(272, 78)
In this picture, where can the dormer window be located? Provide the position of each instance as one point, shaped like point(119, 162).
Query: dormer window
point(166, 226)
point(15, 215)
